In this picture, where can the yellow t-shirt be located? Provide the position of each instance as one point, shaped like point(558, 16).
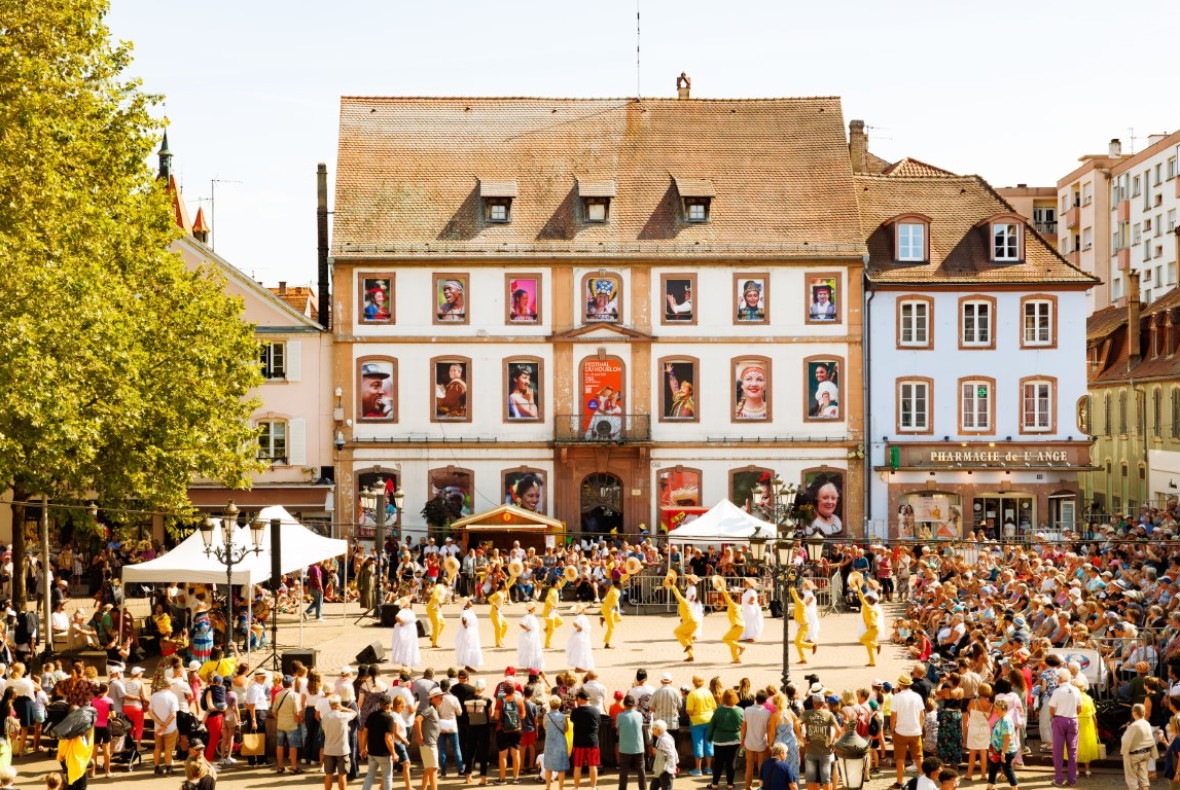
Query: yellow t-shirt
point(700, 706)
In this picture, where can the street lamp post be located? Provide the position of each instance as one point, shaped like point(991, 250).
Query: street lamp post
point(229, 554)
point(374, 498)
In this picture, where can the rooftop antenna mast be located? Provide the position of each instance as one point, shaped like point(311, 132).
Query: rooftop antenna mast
point(213, 182)
point(1133, 138)
point(638, 73)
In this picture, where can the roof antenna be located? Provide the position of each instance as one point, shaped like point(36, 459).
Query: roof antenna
point(638, 74)
point(1133, 138)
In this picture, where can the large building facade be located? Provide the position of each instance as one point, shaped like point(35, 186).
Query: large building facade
point(614, 312)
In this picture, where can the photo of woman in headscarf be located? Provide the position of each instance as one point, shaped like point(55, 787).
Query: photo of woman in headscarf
point(602, 299)
point(751, 305)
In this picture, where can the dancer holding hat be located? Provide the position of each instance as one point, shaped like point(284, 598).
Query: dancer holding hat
point(806, 620)
point(872, 621)
point(549, 613)
point(434, 605)
point(690, 621)
point(733, 611)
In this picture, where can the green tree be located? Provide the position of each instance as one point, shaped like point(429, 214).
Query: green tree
point(122, 373)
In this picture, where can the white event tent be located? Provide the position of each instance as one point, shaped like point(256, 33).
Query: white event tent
point(725, 522)
point(189, 563)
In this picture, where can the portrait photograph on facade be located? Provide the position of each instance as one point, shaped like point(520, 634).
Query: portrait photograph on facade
point(678, 301)
point(823, 389)
point(450, 389)
point(822, 307)
point(523, 299)
point(678, 397)
point(376, 299)
point(679, 497)
point(823, 489)
point(751, 298)
point(457, 488)
point(522, 399)
point(751, 383)
point(743, 482)
point(378, 380)
point(525, 488)
point(602, 298)
point(366, 516)
point(602, 398)
point(450, 297)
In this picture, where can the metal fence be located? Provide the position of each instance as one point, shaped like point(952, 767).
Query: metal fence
point(646, 594)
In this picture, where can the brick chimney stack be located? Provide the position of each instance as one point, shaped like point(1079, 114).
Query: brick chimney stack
point(1116, 148)
point(858, 146)
point(1134, 332)
point(282, 287)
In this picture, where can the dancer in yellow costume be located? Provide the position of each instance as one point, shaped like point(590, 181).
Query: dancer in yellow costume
point(609, 614)
point(497, 601)
point(872, 624)
point(549, 614)
point(434, 605)
point(733, 610)
point(802, 621)
point(689, 619)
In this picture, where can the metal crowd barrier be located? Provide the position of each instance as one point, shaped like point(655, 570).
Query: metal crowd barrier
point(645, 594)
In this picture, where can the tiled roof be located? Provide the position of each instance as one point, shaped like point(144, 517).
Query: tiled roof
point(199, 223)
point(914, 168)
point(1108, 328)
point(1102, 322)
point(301, 298)
point(876, 164)
point(409, 170)
point(958, 249)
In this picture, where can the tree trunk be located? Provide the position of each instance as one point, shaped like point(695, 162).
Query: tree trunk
point(19, 497)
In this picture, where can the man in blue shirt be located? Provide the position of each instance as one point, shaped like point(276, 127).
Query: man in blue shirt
point(631, 743)
point(776, 773)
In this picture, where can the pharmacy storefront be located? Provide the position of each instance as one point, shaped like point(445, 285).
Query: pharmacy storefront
point(1005, 489)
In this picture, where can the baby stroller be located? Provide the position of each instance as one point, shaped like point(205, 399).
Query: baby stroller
point(127, 757)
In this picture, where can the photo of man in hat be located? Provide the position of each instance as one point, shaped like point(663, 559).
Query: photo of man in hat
point(822, 306)
point(377, 390)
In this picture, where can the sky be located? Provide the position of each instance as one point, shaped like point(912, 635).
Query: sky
point(1012, 90)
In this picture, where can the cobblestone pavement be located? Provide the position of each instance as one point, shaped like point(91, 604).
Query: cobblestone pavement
point(643, 641)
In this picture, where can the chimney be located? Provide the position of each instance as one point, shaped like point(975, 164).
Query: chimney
point(858, 146)
point(1152, 139)
point(282, 287)
point(1116, 149)
point(1134, 330)
point(321, 227)
point(683, 86)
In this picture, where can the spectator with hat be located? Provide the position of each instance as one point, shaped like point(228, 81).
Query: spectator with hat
point(906, 717)
point(287, 713)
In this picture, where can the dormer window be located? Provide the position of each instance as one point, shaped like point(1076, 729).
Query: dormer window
point(497, 196)
point(596, 197)
point(1005, 237)
point(696, 195)
point(911, 238)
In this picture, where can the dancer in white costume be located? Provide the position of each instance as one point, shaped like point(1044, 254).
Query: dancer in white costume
point(405, 636)
point(751, 612)
point(690, 594)
point(579, 653)
point(811, 611)
point(529, 652)
point(468, 653)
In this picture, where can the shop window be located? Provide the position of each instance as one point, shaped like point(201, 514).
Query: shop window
point(930, 515)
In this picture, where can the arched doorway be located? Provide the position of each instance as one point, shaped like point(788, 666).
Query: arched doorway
point(601, 503)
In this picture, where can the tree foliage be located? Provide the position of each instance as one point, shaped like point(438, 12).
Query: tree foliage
point(122, 372)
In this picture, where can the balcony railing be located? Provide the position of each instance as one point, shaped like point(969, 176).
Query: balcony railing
point(1046, 228)
point(602, 428)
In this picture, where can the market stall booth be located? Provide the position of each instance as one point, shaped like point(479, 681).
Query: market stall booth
point(500, 527)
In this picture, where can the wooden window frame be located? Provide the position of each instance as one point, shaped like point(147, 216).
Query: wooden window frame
point(453, 359)
point(738, 279)
point(839, 387)
point(452, 468)
point(489, 202)
point(705, 202)
point(991, 429)
point(393, 388)
point(361, 277)
point(678, 469)
point(1157, 412)
point(1175, 428)
point(1122, 412)
point(663, 295)
point(506, 369)
point(275, 460)
point(976, 298)
point(619, 303)
point(1025, 301)
point(380, 471)
point(1052, 382)
point(768, 365)
point(929, 384)
point(738, 470)
point(910, 220)
point(436, 279)
point(837, 300)
point(663, 403)
point(538, 306)
point(587, 202)
point(1106, 414)
point(915, 299)
point(267, 364)
point(523, 470)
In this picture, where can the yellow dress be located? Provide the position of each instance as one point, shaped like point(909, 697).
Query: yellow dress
point(689, 622)
point(434, 612)
point(549, 614)
point(801, 626)
point(499, 624)
point(733, 637)
point(1087, 734)
point(869, 637)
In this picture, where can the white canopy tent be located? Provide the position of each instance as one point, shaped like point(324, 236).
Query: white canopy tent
point(189, 563)
point(724, 523)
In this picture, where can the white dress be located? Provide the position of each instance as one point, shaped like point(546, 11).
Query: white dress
point(528, 645)
point(690, 595)
point(752, 614)
point(579, 653)
point(405, 639)
point(467, 648)
point(811, 614)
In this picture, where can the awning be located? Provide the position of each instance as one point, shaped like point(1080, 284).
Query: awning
point(313, 497)
point(508, 517)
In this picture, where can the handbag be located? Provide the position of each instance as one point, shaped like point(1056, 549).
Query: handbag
point(253, 744)
point(993, 754)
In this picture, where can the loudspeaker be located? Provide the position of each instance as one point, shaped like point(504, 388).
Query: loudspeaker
point(373, 654)
point(387, 614)
point(276, 573)
point(305, 655)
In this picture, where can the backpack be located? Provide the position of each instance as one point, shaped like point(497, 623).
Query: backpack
point(26, 626)
point(504, 688)
point(874, 725)
point(863, 717)
point(510, 716)
point(477, 714)
point(912, 784)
